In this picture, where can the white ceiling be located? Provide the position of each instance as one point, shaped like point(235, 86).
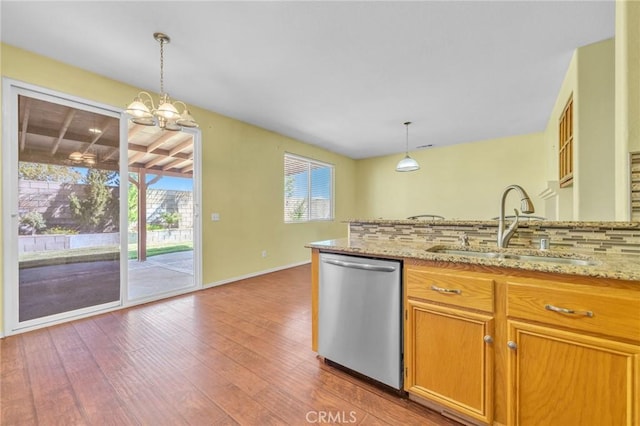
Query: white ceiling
point(343, 75)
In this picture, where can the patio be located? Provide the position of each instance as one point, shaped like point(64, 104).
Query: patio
point(160, 274)
point(52, 289)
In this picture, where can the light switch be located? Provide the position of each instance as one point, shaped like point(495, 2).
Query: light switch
point(215, 217)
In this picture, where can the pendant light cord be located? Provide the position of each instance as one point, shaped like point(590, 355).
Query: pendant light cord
point(407, 145)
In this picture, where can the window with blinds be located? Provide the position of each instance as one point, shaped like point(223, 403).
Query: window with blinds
point(635, 186)
point(308, 189)
point(565, 143)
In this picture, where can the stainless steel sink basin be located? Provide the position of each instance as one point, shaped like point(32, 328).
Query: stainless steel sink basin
point(520, 257)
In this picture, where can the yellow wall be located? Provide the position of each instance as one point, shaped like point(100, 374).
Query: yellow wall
point(594, 195)
point(243, 180)
point(242, 176)
point(458, 182)
point(590, 78)
point(627, 102)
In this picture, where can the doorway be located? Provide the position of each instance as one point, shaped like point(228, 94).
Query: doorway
point(68, 169)
point(161, 211)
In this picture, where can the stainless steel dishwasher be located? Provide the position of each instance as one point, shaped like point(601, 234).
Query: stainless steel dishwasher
point(359, 318)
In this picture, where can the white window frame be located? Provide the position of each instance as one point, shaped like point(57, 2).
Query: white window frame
point(310, 162)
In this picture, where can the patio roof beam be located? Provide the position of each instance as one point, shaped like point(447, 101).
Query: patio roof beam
point(154, 161)
point(135, 157)
point(161, 172)
point(111, 154)
point(98, 135)
point(163, 152)
point(135, 129)
point(70, 136)
point(164, 137)
point(182, 146)
point(63, 130)
point(25, 124)
point(175, 164)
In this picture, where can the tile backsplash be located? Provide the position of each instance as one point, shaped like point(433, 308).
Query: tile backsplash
point(580, 237)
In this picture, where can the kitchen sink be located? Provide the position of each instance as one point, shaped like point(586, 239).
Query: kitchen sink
point(520, 257)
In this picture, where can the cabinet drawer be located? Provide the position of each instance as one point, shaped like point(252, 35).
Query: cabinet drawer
point(455, 289)
point(603, 310)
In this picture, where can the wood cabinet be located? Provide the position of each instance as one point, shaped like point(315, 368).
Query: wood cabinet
point(566, 378)
point(504, 346)
point(563, 350)
point(449, 341)
point(571, 356)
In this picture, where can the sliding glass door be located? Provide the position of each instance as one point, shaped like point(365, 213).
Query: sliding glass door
point(61, 183)
point(98, 212)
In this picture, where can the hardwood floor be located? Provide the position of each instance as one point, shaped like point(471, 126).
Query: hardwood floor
point(234, 354)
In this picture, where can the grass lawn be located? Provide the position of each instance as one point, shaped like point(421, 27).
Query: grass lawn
point(157, 249)
point(52, 257)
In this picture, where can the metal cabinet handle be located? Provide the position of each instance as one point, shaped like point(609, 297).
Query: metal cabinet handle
point(488, 339)
point(512, 345)
point(552, 308)
point(445, 290)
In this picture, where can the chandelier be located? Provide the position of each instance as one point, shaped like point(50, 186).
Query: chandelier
point(166, 116)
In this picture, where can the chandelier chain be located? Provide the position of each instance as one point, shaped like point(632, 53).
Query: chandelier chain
point(161, 66)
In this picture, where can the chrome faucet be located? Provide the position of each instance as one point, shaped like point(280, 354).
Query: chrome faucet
point(525, 205)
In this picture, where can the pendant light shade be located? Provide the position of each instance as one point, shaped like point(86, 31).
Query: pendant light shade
point(407, 164)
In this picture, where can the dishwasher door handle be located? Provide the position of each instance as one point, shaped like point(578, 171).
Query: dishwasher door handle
point(355, 265)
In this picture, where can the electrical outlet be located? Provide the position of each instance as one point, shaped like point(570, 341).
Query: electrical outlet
point(215, 217)
point(264, 253)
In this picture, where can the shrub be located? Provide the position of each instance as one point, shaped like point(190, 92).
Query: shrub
point(32, 222)
point(60, 230)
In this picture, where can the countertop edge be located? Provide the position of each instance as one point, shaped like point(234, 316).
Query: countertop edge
point(609, 266)
point(522, 224)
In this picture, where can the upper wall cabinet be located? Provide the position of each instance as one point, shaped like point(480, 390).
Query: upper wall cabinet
point(565, 143)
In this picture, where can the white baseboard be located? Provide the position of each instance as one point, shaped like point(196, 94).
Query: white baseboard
point(254, 274)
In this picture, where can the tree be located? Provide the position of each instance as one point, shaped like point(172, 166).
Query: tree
point(132, 197)
point(48, 172)
point(295, 208)
point(98, 208)
point(171, 219)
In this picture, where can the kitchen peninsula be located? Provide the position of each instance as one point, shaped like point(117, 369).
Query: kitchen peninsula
point(516, 335)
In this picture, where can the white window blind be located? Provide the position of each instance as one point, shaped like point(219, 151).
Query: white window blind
point(308, 189)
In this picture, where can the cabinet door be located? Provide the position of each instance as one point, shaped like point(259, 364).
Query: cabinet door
point(563, 378)
point(448, 360)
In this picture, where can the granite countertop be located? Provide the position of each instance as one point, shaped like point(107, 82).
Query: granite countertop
point(617, 266)
point(521, 224)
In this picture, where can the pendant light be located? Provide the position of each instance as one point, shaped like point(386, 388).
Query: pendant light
point(166, 115)
point(407, 164)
